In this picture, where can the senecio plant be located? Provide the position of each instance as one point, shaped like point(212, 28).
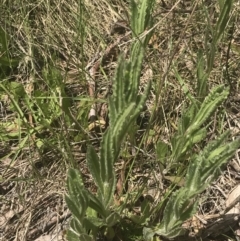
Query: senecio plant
point(95, 214)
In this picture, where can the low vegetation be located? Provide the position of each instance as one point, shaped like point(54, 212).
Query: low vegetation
point(119, 120)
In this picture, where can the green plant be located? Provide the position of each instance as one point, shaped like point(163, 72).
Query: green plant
point(204, 67)
point(202, 169)
point(45, 106)
point(7, 62)
point(95, 214)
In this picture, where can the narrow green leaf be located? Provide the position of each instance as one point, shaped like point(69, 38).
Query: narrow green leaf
point(118, 87)
point(97, 205)
point(209, 105)
point(6, 61)
point(136, 65)
point(201, 77)
point(73, 208)
point(107, 154)
point(142, 16)
point(77, 198)
point(112, 111)
point(211, 146)
point(4, 40)
point(94, 166)
point(109, 189)
point(223, 19)
point(224, 154)
point(119, 130)
point(193, 177)
point(134, 17)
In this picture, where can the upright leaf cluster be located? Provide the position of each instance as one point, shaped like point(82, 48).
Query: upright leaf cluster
point(202, 170)
point(96, 213)
point(125, 105)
